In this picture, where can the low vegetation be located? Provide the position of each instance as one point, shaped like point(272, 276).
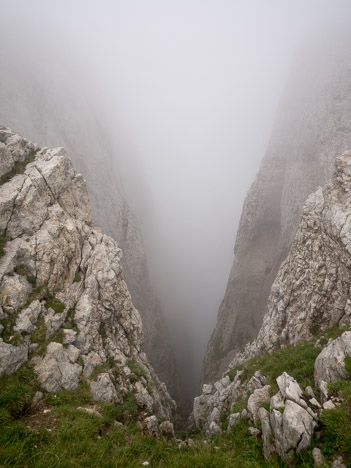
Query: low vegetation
point(3, 242)
point(18, 168)
point(56, 434)
point(136, 369)
point(297, 361)
point(55, 304)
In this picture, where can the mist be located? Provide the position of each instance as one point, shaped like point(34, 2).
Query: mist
point(186, 93)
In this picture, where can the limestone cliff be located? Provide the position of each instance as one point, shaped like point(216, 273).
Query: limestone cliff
point(65, 306)
point(313, 124)
point(41, 107)
point(312, 289)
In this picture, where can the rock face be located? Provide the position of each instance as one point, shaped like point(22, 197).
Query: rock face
point(39, 105)
point(311, 290)
point(63, 296)
point(313, 125)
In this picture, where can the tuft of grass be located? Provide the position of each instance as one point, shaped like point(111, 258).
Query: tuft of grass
point(239, 405)
point(332, 333)
point(336, 424)
point(16, 392)
point(32, 280)
point(297, 361)
point(38, 294)
point(123, 412)
point(70, 322)
point(39, 337)
point(77, 397)
point(18, 168)
point(3, 241)
point(109, 365)
point(348, 365)
point(136, 369)
point(56, 305)
point(77, 278)
point(9, 335)
point(21, 269)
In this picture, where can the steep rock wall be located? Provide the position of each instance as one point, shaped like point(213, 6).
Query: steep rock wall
point(313, 124)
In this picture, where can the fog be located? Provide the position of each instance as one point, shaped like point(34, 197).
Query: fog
point(187, 93)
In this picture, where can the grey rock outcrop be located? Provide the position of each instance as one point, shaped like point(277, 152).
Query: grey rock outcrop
point(69, 277)
point(313, 125)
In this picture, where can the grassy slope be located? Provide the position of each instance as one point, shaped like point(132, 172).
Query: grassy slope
point(67, 437)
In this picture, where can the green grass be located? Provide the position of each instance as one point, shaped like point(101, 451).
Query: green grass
point(332, 333)
point(136, 369)
point(16, 392)
point(32, 280)
point(297, 361)
point(55, 304)
point(21, 269)
point(109, 365)
point(39, 337)
point(18, 168)
point(336, 425)
point(78, 439)
point(77, 278)
point(70, 322)
point(3, 241)
point(9, 335)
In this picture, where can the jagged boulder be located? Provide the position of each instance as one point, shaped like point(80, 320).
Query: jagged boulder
point(259, 396)
point(290, 424)
point(330, 363)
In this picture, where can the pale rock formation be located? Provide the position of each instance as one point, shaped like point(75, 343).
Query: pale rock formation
point(151, 426)
point(330, 363)
point(318, 457)
point(234, 418)
point(76, 310)
point(259, 396)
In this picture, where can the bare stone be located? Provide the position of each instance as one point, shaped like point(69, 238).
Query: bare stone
point(317, 457)
point(260, 395)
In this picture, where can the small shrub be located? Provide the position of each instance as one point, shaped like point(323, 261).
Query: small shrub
point(17, 391)
point(32, 280)
point(123, 412)
point(69, 322)
point(136, 369)
point(3, 241)
point(332, 333)
point(21, 269)
point(9, 335)
point(348, 365)
point(56, 305)
point(77, 278)
point(39, 337)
